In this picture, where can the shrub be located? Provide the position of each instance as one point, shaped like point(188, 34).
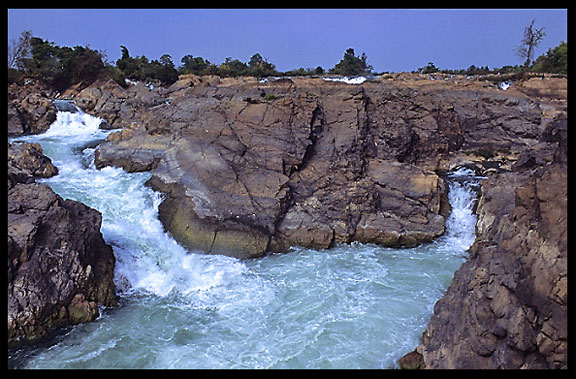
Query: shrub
point(555, 61)
point(351, 65)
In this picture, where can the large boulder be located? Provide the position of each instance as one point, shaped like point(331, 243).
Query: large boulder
point(250, 168)
point(30, 109)
point(26, 162)
point(59, 267)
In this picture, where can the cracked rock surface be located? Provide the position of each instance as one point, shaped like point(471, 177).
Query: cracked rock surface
point(507, 304)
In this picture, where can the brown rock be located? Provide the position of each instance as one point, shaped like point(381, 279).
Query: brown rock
point(308, 162)
point(31, 109)
point(26, 161)
point(55, 254)
point(411, 361)
point(496, 312)
point(251, 167)
point(59, 267)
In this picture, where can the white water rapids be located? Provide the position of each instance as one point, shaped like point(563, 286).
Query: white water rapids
point(353, 306)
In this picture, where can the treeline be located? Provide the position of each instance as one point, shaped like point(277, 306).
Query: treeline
point(555, 61)
point(58, 66)
point(471, 70)
point(33, 57)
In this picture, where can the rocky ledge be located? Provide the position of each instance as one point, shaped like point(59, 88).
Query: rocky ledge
point(59, 267)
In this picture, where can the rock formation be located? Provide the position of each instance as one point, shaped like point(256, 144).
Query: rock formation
point(30, 108)
point(59, 267)
point(507, 304)
point(250, 167)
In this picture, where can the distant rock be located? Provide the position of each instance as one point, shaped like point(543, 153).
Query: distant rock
point(65, 106)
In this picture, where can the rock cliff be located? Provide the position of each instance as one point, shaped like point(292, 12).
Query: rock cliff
point(59, 267)
point(507, 304)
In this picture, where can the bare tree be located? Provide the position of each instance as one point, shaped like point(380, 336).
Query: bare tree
point(19, 50)
point(532, 38)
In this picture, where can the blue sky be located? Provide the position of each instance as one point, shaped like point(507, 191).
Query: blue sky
point(393, 39)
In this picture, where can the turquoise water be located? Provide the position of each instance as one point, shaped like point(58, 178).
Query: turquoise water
point(353, 306)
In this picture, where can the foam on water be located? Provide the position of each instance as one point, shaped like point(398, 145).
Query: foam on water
point(353, 306)
point(505, 85)
point(78, 124)
point(347, 79)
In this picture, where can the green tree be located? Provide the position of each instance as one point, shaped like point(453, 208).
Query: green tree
point(166, 71)
point(531, 40)
point(305, 71)
point(136, 68)
point(43, 62)
point(139, 68)
point(351, 65)
point(83, 64)
point(62, 66)
point(232, 68)
point(555, 61)
point(194, 65)
point(428, 69)
point(260, 67)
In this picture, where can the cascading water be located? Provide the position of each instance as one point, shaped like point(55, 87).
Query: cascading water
point(353, 306)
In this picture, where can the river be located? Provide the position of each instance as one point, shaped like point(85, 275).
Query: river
point(352, 306)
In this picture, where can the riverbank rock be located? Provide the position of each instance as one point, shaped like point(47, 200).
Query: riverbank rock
point(507, 304)
point(26, 162)
point(249, 167)
point(59, 267)
point(30, 108)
